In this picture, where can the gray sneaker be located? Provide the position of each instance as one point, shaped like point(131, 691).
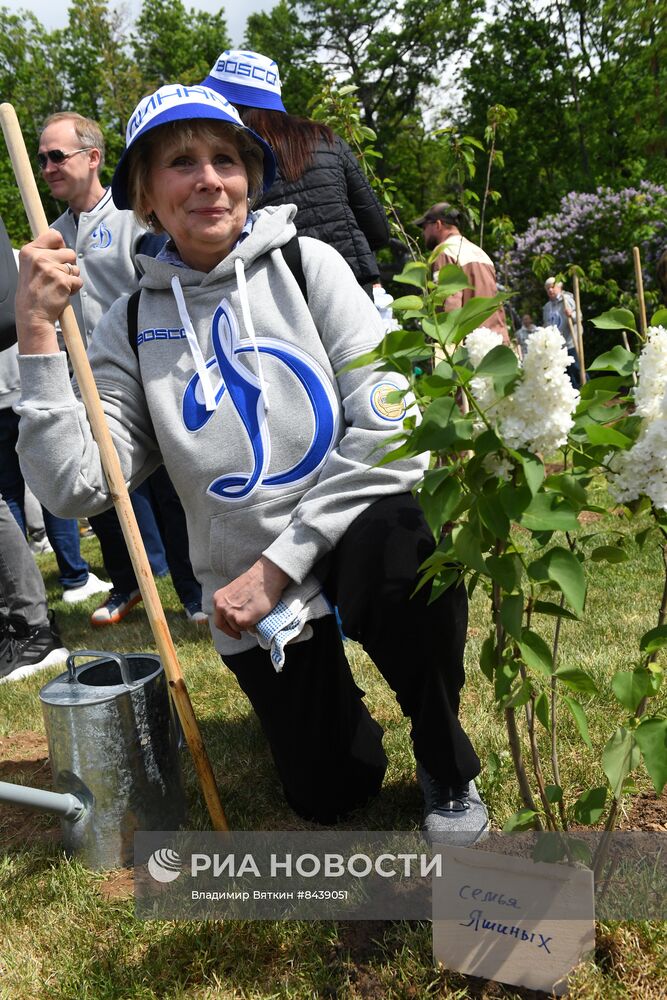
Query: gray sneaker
point(452, 815)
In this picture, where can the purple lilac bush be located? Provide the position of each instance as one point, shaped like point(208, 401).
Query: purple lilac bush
point(595, 231)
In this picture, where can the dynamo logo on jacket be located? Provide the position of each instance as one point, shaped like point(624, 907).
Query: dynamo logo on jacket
point(102, 237)
point(243, 388)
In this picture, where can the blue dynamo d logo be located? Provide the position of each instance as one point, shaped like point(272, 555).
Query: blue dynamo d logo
point(164, 865)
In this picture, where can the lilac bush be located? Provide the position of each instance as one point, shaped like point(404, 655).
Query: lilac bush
point(596, 232)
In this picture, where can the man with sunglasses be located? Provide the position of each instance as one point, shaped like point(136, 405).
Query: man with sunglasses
point(106, 241)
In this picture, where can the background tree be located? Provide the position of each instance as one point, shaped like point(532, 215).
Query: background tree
point(390, 51)
point(174, 44)
point(279, 35)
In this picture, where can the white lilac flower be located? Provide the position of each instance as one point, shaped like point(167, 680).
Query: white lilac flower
point(478, 344)
point(538, 414)
point(495, 465)
point(652, 374)
point(642, 470)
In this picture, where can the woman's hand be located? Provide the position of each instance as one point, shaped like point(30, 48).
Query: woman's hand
point(48, 277)
point(249, 597)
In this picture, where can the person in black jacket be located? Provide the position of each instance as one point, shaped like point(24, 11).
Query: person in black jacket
point(317, 170)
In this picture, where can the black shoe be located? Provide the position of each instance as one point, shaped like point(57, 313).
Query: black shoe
point(26, 649)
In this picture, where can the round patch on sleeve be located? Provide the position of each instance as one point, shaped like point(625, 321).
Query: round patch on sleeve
point(393, 410)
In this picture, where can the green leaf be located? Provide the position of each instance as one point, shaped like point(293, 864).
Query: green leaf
point(467, 548)
point(493, 516)
point(597, 434)
point(442, 428)
point(630, 686)
point(521, 696)
point(473, 314)
point(641, 536)
point(579, 717)
point(514, 500)
point(487, 660)
point(651, 736)
point(536, 653)
point(610, 554)
point(503, 678)
point(503, 570)
point(659, 318)
point(654, 639)
point(580, 851)
point(524, 819)
point(554, 794)
point(568, 486)
point(615, 319)
point(414, 273)
point(542, 711)
point(548, 512)
point(439, 505)
point(492, 766)
point(452, 279)
point(554, 610)
point(617, 360)
point(499, 361)
point(533, 470)
point(564, 569)
point(577, 680)
point(407, 302)
point(590, 806)
point(550, 847)
point(619, 757)
point(511, 614)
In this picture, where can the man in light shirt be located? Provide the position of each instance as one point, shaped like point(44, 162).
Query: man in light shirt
point(440, 225)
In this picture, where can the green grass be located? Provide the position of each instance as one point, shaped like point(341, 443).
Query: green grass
point(62, 936)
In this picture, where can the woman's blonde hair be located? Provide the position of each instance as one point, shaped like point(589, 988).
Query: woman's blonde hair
point(178, 135)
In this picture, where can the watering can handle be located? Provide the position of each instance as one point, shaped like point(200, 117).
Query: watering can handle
point(120, 660)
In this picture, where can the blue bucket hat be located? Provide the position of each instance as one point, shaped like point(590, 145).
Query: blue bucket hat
point(178, 103)
point(247, 78)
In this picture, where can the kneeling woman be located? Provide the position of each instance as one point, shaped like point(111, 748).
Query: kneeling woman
point(230, 370)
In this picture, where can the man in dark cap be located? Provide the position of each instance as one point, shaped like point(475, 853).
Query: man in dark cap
point(440, 225)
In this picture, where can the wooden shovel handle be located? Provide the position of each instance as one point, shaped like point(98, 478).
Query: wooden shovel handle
point(111, 464)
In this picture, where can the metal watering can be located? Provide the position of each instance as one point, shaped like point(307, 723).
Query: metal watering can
point(113, 745)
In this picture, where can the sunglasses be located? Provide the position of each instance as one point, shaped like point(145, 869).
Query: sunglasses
point(57, 156)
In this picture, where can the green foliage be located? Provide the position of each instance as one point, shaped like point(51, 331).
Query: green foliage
point(173, 44)
point(280, 34)
point(515, 532)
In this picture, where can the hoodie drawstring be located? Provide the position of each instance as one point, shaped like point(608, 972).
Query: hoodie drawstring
point(250, 328)
point(195, 349)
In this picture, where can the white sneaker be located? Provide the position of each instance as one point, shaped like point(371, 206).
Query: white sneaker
point(93, 585)
point(40, 546)
point(194, 613)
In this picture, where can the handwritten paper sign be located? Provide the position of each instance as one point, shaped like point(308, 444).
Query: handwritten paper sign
point(511, 919)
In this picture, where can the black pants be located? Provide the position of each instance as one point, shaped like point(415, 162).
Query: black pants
point(327, 748)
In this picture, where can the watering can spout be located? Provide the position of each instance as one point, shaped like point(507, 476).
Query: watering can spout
point(64, 804)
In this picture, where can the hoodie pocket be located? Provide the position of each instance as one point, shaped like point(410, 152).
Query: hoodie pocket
point(239, 536)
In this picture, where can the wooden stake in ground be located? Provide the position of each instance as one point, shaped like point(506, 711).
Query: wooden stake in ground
point(580, 329)
point(639, 281)
point(111, 464)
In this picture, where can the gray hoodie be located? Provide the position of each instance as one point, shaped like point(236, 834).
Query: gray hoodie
point(284, 457)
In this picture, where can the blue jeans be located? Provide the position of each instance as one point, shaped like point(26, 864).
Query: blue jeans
point(150, 533)
point(63, 533)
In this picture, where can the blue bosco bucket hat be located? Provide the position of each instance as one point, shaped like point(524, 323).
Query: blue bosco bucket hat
point(248, 78)
point(178, 103)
